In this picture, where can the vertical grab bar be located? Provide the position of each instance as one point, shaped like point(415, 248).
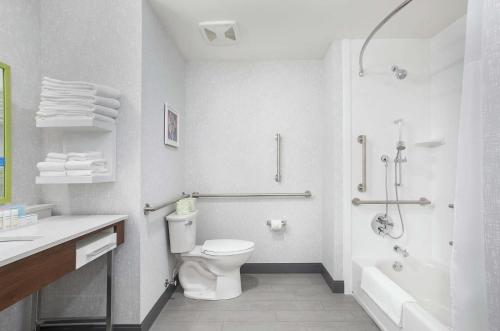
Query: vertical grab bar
point(277, 178)
point(362, 141)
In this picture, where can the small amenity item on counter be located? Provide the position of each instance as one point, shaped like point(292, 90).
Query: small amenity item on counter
point(13, 216)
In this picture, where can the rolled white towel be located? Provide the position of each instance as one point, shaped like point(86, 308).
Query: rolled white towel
point(52, 173)
point(66, 98)
point(51, 166)
point(62, 156)
point(101, 90)
point(48, 159)
point(87, 172)
point(98, 164)
point(63, 109)
point(85, 156)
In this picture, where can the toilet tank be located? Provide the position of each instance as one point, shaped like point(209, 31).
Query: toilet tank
point(182, 232)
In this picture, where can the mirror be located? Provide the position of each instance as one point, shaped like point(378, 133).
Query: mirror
point(5, 160)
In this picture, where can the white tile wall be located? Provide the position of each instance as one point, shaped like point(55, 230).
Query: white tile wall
point(82, 41)
point(377, 100)
point(332, 162)
point(162, 166)
point(233, 111)
point(447, 57)
point(20, 48)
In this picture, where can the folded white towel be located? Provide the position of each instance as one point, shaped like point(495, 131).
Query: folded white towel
point(48, 159)
point(86, 172)
point(98, 164)
point(50, 166)
point(63, 109)
point(97, 89)
point(84, 156)
point(65, 98)
point(84, 116)
point(61, 156)
point(386, 294)
point(52, 173)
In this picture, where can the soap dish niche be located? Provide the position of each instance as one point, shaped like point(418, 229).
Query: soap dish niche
point(431, 142)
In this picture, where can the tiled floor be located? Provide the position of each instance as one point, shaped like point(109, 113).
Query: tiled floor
point(270, 302)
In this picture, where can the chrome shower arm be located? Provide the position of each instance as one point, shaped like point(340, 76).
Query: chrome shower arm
point(370, 36)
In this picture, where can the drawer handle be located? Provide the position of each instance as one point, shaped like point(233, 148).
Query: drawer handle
point(188, 223)
point(100, 250)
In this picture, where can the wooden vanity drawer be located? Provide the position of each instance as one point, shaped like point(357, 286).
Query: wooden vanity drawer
point(21, 278)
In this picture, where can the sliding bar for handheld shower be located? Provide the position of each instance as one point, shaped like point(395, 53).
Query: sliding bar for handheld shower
point(370, 36)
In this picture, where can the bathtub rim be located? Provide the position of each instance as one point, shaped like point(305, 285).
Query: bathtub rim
point(360, 296)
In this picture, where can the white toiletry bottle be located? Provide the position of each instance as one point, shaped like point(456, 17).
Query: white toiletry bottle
point(6, 219)
point(14, 218)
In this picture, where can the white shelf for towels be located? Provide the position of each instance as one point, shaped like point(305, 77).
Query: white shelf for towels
point(80, 135)
point(69, 124)
point(74, 179)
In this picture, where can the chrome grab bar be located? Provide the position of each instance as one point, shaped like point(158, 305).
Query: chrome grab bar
point(362, 141)
point(422, 202)
point(277, 178)
point(148, 208)
point(306, 194)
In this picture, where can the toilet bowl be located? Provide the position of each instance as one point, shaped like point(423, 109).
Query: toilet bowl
point(210, 271)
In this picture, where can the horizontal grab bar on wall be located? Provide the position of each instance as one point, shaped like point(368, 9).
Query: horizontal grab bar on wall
point(148, 208)
point(306, 194)
point(421, 202)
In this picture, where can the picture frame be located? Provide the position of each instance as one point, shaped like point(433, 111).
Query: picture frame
point(171, 126)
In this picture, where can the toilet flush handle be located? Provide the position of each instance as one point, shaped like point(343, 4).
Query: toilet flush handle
point(186, 223)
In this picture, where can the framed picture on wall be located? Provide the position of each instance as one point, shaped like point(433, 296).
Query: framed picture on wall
point(172, 129)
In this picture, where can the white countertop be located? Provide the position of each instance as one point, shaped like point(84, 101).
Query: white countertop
point(53, 231)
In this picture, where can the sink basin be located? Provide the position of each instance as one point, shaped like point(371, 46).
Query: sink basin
point(7, 239)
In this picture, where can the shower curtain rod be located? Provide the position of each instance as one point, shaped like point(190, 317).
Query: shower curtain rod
point(375, 30)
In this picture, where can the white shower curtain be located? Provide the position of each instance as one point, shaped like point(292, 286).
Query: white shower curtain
point(475, 272)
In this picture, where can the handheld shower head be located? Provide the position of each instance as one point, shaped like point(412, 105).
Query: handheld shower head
point(399, 73)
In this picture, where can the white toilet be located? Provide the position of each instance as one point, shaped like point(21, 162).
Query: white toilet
point(210, 271)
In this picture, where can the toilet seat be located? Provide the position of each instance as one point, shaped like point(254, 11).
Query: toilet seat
point(221, 247)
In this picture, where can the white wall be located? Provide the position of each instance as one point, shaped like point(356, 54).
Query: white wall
point(82, 40)
point(162, 166)
point(332, 162)
point(429, 101)
point(447, 57)
point(20, 48)
point(233, 110)
point(377, 99)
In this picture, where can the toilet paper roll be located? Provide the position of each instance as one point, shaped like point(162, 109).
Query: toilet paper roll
point(276, 225)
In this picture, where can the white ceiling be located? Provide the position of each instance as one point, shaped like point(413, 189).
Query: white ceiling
point(298, 29)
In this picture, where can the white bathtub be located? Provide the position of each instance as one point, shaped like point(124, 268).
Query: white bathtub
point(426, 281)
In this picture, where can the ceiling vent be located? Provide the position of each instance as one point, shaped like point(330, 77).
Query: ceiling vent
point(219, 33)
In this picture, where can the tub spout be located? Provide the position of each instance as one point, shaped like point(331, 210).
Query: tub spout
point(400, 251)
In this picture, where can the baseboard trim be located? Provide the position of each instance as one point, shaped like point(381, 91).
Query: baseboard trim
point(144, 326)
point(337, 286)
point(281, 268)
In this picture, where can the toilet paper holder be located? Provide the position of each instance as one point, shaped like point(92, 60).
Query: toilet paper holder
point(268, 222)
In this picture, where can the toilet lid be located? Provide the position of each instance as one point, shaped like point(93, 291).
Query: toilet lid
point(226, 246)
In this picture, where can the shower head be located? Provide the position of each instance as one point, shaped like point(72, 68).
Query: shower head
point(401, 146)
point(399, 73)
